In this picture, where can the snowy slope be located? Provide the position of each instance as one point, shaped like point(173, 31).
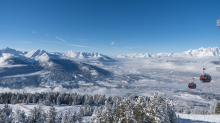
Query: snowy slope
point(184, 118)
point(35, 54)
point(41, 68)
point(59, 109)
point(194, 118)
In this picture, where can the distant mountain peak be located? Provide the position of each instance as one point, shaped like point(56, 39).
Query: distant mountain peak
point(200, 52)
point(35, 53)
point(10, 51)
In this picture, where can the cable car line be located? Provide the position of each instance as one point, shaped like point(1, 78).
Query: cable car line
point(206, 69)
point(205, 77)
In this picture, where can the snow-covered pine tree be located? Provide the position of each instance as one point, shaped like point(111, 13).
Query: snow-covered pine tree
point(51, 115)
point(59, 118)
point(47, 102)
point(96, 116)
point(114, 108)
point(7, 109)
point(85, 110)
point(6, 114)
point(159, 110)
point(58, 101)
point(28, 100)
point(109, 99)
point(95, 98)
point(35, 115)
point(66, 99)
point(213, 106)
point(129, 111)
point(43, 117)
point(78, 99)
point(120, 112)
point(65, 117)
point(151, 110)
point(13, 99)
point(101, 99)
point(40, 106)
point(139, 113)
point(107, 113)
point(16, 116)
point(90, 110)
point(34, 99)
point(79, 114)
point(171, 111)
point(70, 118)
point(74, 116)
point(162, 112)
point(23, 117)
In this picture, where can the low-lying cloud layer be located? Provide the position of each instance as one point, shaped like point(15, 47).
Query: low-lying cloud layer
point(4, 58)
point(44, 60)
point(91, 90)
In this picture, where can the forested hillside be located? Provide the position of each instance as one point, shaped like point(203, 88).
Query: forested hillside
point(106, 110)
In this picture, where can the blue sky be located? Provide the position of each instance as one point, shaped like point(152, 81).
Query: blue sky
point(110, 27)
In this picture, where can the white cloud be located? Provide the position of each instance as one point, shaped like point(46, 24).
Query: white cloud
point(44, 60)
point(30, 74)
point(4, 62)
point(92, 90)
point(47, 34)
point(27, 42)
point(60, 39)
point(5, 56)
point(85, 68)
point(34, 32)
point(94, 72)
point(112, 43)
point(84, 39)
point(51, 41)
point(79, 45)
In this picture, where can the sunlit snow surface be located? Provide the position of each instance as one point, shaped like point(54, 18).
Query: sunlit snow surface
point(59, 109)
point(194, 118)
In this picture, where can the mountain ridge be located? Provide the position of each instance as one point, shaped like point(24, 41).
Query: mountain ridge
point(35, 54)
point(40, 68)
point(201, 52)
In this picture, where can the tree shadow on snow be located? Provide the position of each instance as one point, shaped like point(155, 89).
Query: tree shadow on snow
point(193, 121)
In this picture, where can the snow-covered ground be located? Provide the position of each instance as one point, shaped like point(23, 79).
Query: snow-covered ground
point(185, 118)
point(194, 118)
point(59, 109)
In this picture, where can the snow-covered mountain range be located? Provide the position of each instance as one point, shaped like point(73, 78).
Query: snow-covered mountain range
point(190, 53)
point(19, 69)
point(36, 54)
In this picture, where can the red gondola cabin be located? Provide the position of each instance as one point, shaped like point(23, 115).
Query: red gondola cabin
point(192, 85)
point(205, 78)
